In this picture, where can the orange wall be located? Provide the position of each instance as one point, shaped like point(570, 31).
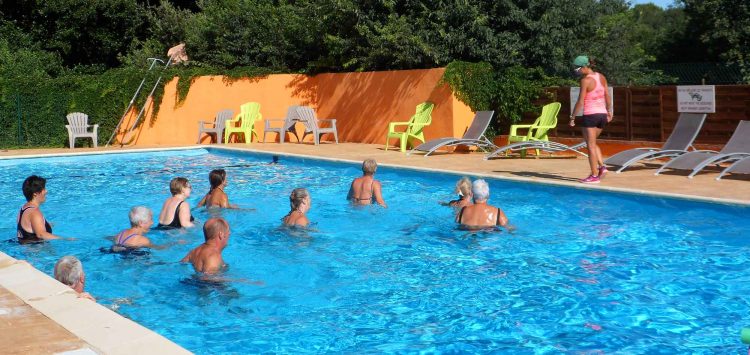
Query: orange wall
point(362, 103)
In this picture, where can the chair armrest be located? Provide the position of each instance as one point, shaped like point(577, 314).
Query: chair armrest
point(269, 120)
point(67, 126)
point(514, 128)
point(393, 125)
point(332, 121)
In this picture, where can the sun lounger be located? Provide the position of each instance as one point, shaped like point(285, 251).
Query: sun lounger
point(678, 143)
point(545, 146)
point(474, 136)
point(738, 147)
point(741, 166)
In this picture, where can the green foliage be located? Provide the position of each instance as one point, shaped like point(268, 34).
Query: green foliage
point(510, 91)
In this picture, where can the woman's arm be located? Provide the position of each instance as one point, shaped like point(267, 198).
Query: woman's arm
point(377, 192)
point(607, 98)
point(578, 108)
point(37, 226)
point(184, 215)
point(203, 201)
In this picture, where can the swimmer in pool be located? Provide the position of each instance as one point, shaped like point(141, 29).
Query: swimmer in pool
point(206, 258)
point(300, 203)
point(463, 188)
point(216, 197)
point(141, 220)
point(175, 213)
point(31, 226)
point(365, 189)
point(481, 214)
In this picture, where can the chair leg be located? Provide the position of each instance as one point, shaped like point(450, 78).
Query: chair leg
point(199, 137)
point(93, 139)
point(282, 136)
point(336, 136)
point(404, 140)
point(264, 137)
point(386, 142)
point(71, 141)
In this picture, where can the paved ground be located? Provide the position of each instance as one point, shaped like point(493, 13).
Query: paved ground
point(563, 169)
point(24, 330)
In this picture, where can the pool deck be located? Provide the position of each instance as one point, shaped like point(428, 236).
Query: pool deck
point(29, 299)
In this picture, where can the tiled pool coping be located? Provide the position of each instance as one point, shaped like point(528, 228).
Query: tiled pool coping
point(108, 332)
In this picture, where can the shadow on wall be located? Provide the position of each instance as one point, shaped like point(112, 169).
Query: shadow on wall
point(364, 103)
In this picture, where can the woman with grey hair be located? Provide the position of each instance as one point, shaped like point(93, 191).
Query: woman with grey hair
point(141, 220)
point(69, 271)
point(481, 214)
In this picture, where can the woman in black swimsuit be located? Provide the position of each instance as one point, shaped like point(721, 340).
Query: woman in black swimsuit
point(31, 226)
point(481, 214)
point(175, 213)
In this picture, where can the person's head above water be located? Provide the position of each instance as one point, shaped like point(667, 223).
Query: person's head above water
point(216, 229)
point(298, 197)
point(369, 166)
point(32, 186)
point(480, 190)
point(179, 185)
point(69, 271)
point(140, 216)
point(463, 186)
point(217, 177)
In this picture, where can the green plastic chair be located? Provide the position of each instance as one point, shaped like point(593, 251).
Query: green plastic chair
point(249, 113)
point(421, 119)
point(538, 130)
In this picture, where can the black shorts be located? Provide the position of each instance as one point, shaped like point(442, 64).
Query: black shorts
point(598, 120)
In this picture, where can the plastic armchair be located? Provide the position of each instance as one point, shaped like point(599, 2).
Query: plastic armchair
point(537, 131)
point(218, 125)
point(78, 127)
point(414, 127)
point(249, 113)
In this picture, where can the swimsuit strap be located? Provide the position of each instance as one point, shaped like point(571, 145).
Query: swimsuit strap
point(122, 242)
point(372, 194)
point(498, 217)
point(461, 214)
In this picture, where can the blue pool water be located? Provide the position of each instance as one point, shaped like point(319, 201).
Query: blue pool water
point(584, 271)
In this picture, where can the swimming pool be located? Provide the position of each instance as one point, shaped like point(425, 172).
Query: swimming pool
point(585, 271)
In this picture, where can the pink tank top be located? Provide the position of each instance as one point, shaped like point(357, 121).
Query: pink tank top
point(594, 101)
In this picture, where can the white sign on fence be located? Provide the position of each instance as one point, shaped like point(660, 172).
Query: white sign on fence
point(575, 91)
point(696, 98)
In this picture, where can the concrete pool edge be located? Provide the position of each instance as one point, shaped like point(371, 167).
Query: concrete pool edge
point(106, 331)
point(575, 185)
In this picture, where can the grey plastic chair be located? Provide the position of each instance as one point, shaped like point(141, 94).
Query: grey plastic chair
point(545, 146)
point(216, 127)
point(738, 147)
point(78, 127)
point(287, 124)
point(741, 166)
point(678, 143)
point(312, 124)
point(474, 136)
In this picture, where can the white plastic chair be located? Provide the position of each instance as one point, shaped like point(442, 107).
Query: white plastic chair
point(78, 127)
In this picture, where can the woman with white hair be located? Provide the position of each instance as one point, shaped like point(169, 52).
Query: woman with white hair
point(69, 271)
point(141, 220)
point(481, 214)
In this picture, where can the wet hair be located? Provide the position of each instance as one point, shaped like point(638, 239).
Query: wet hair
point(178, 184)
point(463, 186)
point(369, 166)
point(139, 214)
point(33, 184)
point(297, 196)
point(216, 177)
point(213, 227)
point(480, 189)
point(68, 270)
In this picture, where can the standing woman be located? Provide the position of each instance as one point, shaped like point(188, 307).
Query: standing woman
point(594, 101)
point(32, 226)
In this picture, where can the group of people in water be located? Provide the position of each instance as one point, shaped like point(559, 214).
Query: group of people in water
point(472, 212)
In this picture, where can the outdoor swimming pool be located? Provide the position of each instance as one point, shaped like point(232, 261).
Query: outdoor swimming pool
point(585, 271)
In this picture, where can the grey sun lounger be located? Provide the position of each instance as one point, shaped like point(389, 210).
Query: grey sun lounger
point(678, 143)
point(545, 146)
point(738, 147)
point(474, 136)
point(741, 166)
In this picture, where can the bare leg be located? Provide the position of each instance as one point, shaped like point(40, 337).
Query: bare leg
point(589, 135)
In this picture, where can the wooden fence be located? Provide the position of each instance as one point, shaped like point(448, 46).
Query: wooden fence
point(650, 113)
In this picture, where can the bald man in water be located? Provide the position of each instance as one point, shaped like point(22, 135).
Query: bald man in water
point(206, 258)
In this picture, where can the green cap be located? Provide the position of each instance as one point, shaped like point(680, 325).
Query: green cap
point(581, 61)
